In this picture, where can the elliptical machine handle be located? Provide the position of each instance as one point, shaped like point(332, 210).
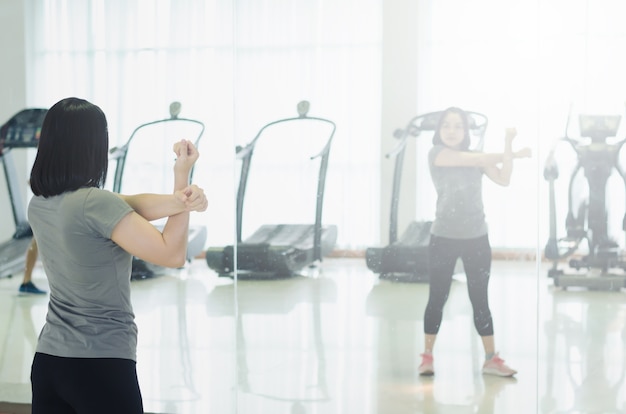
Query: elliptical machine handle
point(551, 169)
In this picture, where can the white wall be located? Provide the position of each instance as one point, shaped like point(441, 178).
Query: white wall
point(13, 95)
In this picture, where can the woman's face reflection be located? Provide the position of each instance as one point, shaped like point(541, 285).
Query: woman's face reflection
point(452, 130)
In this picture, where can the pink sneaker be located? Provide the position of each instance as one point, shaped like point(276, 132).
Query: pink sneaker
point(496, 366)
point(426, 367)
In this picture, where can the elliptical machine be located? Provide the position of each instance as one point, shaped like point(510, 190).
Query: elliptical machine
point(602, 267)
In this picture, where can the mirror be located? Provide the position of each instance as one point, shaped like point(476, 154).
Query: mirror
point(369, 331)
point(367, 340)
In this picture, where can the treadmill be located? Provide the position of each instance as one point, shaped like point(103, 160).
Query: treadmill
point(140, 169)
point(21, 131)
point(405, 258)
point(280, 250)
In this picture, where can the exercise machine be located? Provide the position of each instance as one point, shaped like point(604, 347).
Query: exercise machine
point(280, 250)
point(595, 258)
point(405, 258)
point(139, 169)
point(21, 131)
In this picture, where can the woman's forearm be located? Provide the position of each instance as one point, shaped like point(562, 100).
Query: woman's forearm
point(176, 234)
point(154, 206)
point(506, 169)
point(181, 180)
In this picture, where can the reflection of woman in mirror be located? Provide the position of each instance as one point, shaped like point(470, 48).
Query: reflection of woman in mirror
point(460, 230)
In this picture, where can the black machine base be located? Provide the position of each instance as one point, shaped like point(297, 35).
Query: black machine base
point(605, 269)
point(405, 260)
point(591, 281)
point(273, 251)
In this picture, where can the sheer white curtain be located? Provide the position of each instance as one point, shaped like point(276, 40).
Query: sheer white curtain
point(326, 52)
point(133, 58)
point(523, 64)
point(235, 66)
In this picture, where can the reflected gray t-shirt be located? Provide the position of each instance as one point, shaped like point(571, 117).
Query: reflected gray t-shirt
point(89, 312)
point(460, 213)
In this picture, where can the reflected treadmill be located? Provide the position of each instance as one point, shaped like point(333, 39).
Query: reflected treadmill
point(146, 143)
point(405, 259)
point(21, 131)
point(277, 250)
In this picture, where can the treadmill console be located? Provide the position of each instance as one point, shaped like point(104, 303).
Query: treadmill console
point(23, 129)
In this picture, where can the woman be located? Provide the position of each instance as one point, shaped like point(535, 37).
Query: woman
point(460, 231)
point(86, 353)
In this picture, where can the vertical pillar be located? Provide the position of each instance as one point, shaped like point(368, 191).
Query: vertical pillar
point(399, 105)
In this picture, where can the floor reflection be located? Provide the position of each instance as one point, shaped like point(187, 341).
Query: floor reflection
point(585, 339)
point(296, 377)
point(341, 341)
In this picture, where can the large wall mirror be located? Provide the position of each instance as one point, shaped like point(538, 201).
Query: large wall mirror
point(346, 334)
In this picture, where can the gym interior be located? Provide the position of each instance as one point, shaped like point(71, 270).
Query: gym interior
point(304, 290)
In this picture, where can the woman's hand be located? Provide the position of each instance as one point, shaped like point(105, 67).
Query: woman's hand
point(186, 156)
point(193, 198)
point(509, 134)
point(523, 153)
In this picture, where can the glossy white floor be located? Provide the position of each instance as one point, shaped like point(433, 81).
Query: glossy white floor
point(342, 341)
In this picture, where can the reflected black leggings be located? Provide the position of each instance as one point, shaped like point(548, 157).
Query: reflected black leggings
point(476, 257)
point(84, 385)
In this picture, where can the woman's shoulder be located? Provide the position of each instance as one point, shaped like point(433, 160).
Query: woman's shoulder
point(94, 197)
point(434, 151)
point(95, 192)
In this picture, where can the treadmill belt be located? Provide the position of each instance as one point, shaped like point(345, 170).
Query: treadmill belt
point(299, 236)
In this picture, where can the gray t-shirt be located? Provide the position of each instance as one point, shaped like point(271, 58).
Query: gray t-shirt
point(460, 213)
point(89, 312)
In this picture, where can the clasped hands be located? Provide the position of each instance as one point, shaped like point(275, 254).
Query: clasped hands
point(192, 196)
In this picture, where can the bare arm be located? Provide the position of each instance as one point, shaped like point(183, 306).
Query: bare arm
point(155, 206)
point(453, 158)
point(497, 166)
point(137, 236)
point(501, 174)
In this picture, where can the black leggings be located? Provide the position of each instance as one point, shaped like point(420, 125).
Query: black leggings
point(476, 257)
point(84, 385)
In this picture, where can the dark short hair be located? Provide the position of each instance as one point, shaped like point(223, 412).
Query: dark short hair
point(465, 144)
point(72, 150)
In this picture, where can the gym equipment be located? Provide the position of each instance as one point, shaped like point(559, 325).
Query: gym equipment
point(602, 267)
point(405, 259)
point(138, 165)
point(280, 250)
point(22, 130)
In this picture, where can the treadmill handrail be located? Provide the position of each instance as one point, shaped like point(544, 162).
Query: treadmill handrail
point(27, 120)
point(245, 153)
point(119, 153)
